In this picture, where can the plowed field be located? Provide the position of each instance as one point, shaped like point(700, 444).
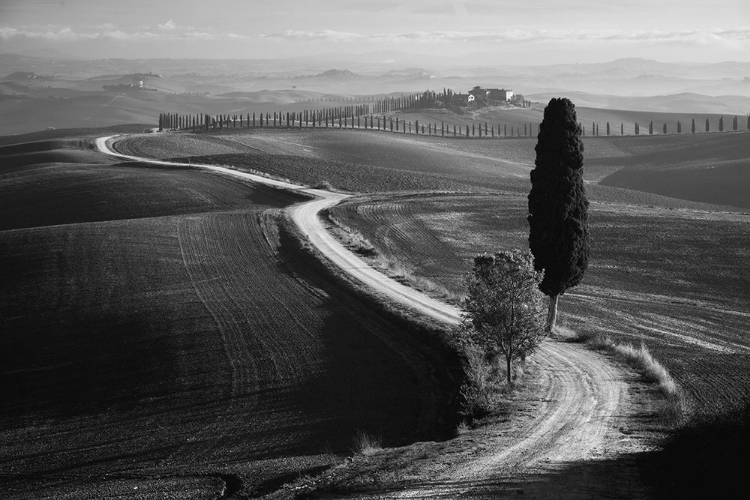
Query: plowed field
point(157, 338)
point(678, 280)
point(701, 168)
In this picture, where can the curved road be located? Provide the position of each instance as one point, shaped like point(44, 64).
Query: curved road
point(578, 417)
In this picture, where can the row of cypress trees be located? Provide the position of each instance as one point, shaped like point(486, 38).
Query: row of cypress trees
point(360, 116)
point(665, 128)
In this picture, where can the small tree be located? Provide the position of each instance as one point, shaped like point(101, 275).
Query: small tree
point(504, 307)
point(558, 208)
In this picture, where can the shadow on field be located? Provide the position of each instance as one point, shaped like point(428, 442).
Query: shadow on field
point(397, 362)
point(620, 478)
point(64, 368)
point(705, 457)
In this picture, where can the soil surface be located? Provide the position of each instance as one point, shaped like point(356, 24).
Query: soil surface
point(160, 337)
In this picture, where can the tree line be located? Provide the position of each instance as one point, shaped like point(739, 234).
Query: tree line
point(372, 117)
point(665, 129)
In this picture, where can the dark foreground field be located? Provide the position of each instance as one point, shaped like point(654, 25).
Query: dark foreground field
point(161, 338)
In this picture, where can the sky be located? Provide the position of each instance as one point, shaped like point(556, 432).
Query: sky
point(500, 31)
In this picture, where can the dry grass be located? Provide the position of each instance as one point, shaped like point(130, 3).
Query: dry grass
point(640, 358)
point(366, 444)
point(351, 239)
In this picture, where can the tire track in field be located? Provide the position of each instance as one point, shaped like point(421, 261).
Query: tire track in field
point(324, 370)
point(268, 345)
point(394, 224)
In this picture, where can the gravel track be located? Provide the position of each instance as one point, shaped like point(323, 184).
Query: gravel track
point(585, 393)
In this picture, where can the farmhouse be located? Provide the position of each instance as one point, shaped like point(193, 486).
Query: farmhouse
point(499, 95)
point(460, 99)
point(493, 96)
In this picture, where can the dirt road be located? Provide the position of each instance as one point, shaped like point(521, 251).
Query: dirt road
point(579, 416)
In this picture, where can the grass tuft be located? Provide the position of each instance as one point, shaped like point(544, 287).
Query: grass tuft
point(641, 359)
point(366, 444)
point(324, 185)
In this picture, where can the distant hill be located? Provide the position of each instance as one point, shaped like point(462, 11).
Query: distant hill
point(675, 103)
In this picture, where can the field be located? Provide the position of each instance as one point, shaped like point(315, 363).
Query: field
point(674, 279)
point(671, 271)
point(161, 335)
point(162, 332)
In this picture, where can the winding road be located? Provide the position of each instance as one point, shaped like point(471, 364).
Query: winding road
point(578, 418)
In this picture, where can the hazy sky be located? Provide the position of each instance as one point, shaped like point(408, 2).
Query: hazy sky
point(522, 31)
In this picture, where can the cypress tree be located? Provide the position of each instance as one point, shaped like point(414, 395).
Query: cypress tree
point(708, 126)
point(693, 125)
point(665, 129)
point(558, 208)
point(721, 124)
point(651, 128)
point(607, 128)
point(622, 128)
point(637, 129)
point(679, 127)
point(734, 123)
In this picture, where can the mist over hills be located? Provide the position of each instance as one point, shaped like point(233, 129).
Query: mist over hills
point(103, 92)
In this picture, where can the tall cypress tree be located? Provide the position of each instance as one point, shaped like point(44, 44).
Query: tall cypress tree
point(558, 208)
point(693, 127)
point(721, 124)
point(708, 126)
